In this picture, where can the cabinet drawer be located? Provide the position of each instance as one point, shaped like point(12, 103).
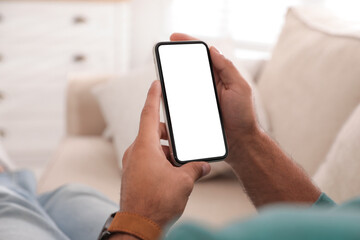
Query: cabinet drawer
point(51, 64)
point(31, 19)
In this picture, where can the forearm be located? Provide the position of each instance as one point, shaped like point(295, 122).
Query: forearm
point(268, 175)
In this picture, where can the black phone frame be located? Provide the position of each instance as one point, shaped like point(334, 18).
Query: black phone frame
point(175, 159)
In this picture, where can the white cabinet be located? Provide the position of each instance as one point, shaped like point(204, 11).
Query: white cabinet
point(41, 42)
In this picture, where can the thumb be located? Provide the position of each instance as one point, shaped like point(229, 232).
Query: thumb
point(150, 115)
point(226, 69)
point(196, 170)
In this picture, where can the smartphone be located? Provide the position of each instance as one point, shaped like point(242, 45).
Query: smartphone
point(190, 102)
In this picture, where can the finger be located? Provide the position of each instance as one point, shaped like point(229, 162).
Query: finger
point(181, 37)
point(163, 132)
point(225, 68)
point(216, 76)
point(166, 151)
point(185, 37)
point(150, 115)
point(196, 170)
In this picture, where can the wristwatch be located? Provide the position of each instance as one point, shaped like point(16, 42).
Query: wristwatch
point(132, 224)
point(105, 234)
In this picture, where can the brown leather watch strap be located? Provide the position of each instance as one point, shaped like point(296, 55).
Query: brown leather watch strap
point(136, 225)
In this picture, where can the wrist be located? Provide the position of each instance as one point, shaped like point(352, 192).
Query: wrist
point(242, 143)
point(249, 138)
point(156, 217)
point(125, 225)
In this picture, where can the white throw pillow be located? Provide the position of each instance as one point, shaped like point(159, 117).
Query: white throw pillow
point(122, 99)
point(339, 175)
point(311, 84)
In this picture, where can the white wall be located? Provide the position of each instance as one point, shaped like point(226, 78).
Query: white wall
point(147, 26)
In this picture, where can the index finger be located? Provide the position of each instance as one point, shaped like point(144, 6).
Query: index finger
point(181, 37)
point(150, 115)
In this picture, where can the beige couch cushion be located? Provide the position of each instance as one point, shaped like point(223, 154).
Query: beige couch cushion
point(84, 160)
point(83, 115)
point(312, 83)
point(121, 101)
point(339, 175)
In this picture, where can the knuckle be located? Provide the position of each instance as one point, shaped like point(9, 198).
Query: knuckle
point(229, 63)
point(188, 184)
point(248, 89)
point(126, 156)
point(126, 153)
point(139, 143)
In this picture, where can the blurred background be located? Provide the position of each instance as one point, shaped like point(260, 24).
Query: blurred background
point(74, 76)
point(43, 42)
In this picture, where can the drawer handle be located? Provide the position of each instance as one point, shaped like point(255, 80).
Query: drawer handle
point(79, 20)
point(2, 96)
point(78, 58)
point(2, 133)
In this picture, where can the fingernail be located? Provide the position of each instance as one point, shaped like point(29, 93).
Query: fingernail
point(206, 168)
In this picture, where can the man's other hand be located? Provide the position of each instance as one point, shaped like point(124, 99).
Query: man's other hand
point(151, 186)
point(235, 98)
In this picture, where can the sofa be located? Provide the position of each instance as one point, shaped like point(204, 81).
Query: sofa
point(309, 89)
point(86, 157)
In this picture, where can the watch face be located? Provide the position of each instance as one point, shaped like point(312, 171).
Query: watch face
point(109, 221)
point(105, 234)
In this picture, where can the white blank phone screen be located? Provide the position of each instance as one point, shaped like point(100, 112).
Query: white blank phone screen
point(191, 98)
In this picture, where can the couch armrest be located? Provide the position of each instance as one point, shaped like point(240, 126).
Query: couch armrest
point(83, 114)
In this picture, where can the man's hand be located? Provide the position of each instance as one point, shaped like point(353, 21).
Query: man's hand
point(235, 99)
point(151, 186)
point(267, 173)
